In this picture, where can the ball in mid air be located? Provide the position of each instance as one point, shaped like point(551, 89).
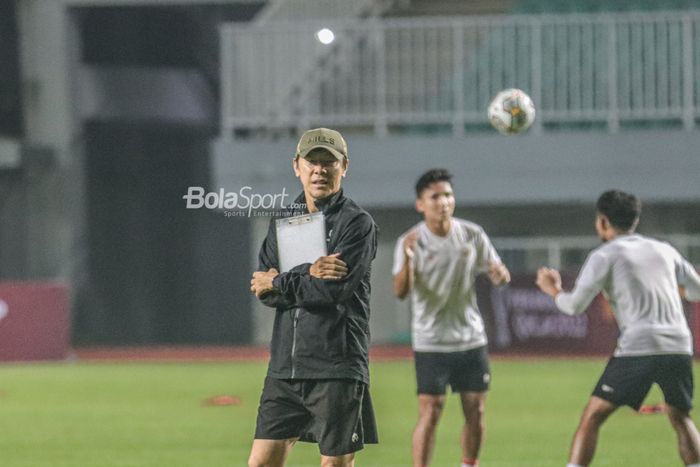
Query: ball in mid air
point(511, 111)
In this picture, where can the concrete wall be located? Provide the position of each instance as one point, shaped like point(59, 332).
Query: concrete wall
point(491, 170)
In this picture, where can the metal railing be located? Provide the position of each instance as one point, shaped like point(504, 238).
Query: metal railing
point(288, 10)
point(284, 65)
point(582, 69)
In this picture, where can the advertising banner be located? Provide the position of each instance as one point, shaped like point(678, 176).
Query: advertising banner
point(520, 318)
point(34, 321)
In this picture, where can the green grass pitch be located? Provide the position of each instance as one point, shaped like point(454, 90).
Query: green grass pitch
point(152, 415)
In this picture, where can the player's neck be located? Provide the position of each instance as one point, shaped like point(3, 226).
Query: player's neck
point(615, 233)
point(310, 205)
point(440, 227)
point(310, 201)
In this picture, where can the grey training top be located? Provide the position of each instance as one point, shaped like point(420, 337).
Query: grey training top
point(443, 299)
point(640, 277)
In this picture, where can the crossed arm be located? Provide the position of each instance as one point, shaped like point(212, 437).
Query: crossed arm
point(329, 267)
point(327, 280)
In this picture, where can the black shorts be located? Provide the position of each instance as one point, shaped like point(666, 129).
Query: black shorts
point(335, 413)
point(627, 380)
point(465, 371)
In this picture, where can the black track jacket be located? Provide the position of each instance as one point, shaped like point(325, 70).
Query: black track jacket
point(321, 328)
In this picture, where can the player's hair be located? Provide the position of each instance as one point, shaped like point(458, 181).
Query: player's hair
point(622, 209)
point(432, 176)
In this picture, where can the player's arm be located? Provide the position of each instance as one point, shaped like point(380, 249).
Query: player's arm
point(498, 273)
point(490, 262)
point(689, 279)
point(588, 284)
point(403, 258)
point(354, 253)
point(549, 281)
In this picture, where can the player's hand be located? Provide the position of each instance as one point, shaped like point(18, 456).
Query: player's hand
point(329, 267)
point(261, 283)
point(498, 273)
point(549, 281)
point(409, 243)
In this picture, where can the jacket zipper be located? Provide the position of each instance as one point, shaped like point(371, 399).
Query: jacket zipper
point(294, 339)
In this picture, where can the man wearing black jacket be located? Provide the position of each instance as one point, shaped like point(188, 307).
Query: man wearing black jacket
point(316, 387)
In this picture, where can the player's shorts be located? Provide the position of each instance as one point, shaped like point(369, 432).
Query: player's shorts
point(627, 380)
point(335, 413)
point(465, 371)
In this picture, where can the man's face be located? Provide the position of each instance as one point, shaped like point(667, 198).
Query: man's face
point(320, 173)
point(437, 202)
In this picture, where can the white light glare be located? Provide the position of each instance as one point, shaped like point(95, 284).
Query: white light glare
point(325, 36)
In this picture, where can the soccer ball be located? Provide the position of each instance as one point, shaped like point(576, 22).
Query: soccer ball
point(511, 111)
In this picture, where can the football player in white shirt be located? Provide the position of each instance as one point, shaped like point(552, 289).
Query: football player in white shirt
point(437, 262)
point(640, 277)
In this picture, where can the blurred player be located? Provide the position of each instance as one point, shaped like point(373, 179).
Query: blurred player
point(437, 261)
point(640, 277)
point(316, 387)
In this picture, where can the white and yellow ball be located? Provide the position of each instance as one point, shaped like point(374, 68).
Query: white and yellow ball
point(511, 111)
